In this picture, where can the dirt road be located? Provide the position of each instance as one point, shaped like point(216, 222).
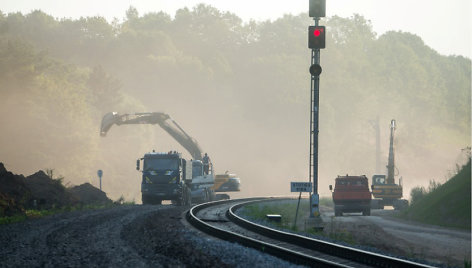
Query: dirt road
point(410, 239)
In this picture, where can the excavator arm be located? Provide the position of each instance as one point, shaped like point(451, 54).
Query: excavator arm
point(161, 119)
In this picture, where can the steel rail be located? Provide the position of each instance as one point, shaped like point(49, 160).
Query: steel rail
point(343, 252)
point(286, 254)
point(353, 254)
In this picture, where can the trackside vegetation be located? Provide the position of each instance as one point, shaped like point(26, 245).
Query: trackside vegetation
point(59, 76)
point(36, 214)
point(444, 205)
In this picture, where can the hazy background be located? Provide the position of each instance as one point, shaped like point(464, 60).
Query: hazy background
point(444, 26)
point(239, 87)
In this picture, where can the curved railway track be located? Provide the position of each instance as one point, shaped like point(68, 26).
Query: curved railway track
point(219, 219)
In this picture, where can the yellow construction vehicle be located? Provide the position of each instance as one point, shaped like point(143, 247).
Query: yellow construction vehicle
point(384, 189)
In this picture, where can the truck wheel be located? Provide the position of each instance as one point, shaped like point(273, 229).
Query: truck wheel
point(177, 202)
point(337, 213)
point(145, 200)
point(189, 198)
point(366, 212)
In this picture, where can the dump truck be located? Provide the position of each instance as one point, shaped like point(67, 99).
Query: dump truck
point(202, 183)
point(351, 194)
point(165, 176)
point(384, 189)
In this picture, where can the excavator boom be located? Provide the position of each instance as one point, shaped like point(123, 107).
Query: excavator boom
point(161, 119)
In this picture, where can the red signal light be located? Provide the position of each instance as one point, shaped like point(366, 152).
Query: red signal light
point(316, 36)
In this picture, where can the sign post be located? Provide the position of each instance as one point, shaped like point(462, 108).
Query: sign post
point(300, 187)
point(100, 174)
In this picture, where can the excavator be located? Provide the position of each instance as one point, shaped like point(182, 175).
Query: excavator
point(384, 189)
point(204, 183)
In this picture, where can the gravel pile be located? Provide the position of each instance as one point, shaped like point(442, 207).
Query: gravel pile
point(121, 236)
point(162, 238)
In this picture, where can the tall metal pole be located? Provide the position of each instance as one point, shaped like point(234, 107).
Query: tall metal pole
point(314, 129)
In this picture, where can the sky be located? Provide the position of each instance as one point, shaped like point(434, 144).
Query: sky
point(444, 26)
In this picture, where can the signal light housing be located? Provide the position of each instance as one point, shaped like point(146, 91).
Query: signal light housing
point(317, 8)
point(315, 69)
point(316, 37)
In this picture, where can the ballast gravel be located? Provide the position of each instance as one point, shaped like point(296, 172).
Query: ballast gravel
point(121, 236)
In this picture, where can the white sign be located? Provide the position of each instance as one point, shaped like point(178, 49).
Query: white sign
point(301, 187)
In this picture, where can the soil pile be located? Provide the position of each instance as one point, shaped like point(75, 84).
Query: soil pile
point(13, 192)
point(39, 191)
point(47, 193)
point(88, 194)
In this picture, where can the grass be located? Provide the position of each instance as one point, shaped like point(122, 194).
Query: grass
point(449, 205)
point(287, 209)
point(36, 214)
point(338, 234)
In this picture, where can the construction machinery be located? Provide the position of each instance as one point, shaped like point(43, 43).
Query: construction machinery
point(166, 176)
point(351, 194)
point(202, 181)
point(384, 189)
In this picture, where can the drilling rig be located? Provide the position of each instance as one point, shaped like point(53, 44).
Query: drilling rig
point(384, 189)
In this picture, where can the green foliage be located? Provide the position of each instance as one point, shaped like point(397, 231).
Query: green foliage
point(419, 192)
point(58, 77)
point(36, 214)
point(467, 263)
point(287, 209)
point(326, 201)
point(416, 194)
point(58, 180)
point(123, 201)
point(12, 219)
point(447, 205)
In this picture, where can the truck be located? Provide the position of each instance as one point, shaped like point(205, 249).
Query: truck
point(351, 194)
point(202, 182)
point(165, 176)
point(384, 189)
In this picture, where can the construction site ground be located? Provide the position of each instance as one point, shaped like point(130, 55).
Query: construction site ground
point(386, 233)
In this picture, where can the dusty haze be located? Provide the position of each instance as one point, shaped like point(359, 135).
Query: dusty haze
point(247, 104)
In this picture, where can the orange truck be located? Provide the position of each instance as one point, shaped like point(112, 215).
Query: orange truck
point(351, 194)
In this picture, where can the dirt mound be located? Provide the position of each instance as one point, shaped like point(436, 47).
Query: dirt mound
point(13, 192)
point(88, 194)
point(47, 193)
point(39, 191)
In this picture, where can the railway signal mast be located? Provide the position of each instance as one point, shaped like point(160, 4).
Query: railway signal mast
point(316, 41)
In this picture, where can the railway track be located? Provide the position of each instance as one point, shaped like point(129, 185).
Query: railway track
point(219, 219)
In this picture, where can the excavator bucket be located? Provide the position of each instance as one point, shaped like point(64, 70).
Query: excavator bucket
point(107, 121)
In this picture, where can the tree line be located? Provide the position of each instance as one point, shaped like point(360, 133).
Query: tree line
point(246, 85)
